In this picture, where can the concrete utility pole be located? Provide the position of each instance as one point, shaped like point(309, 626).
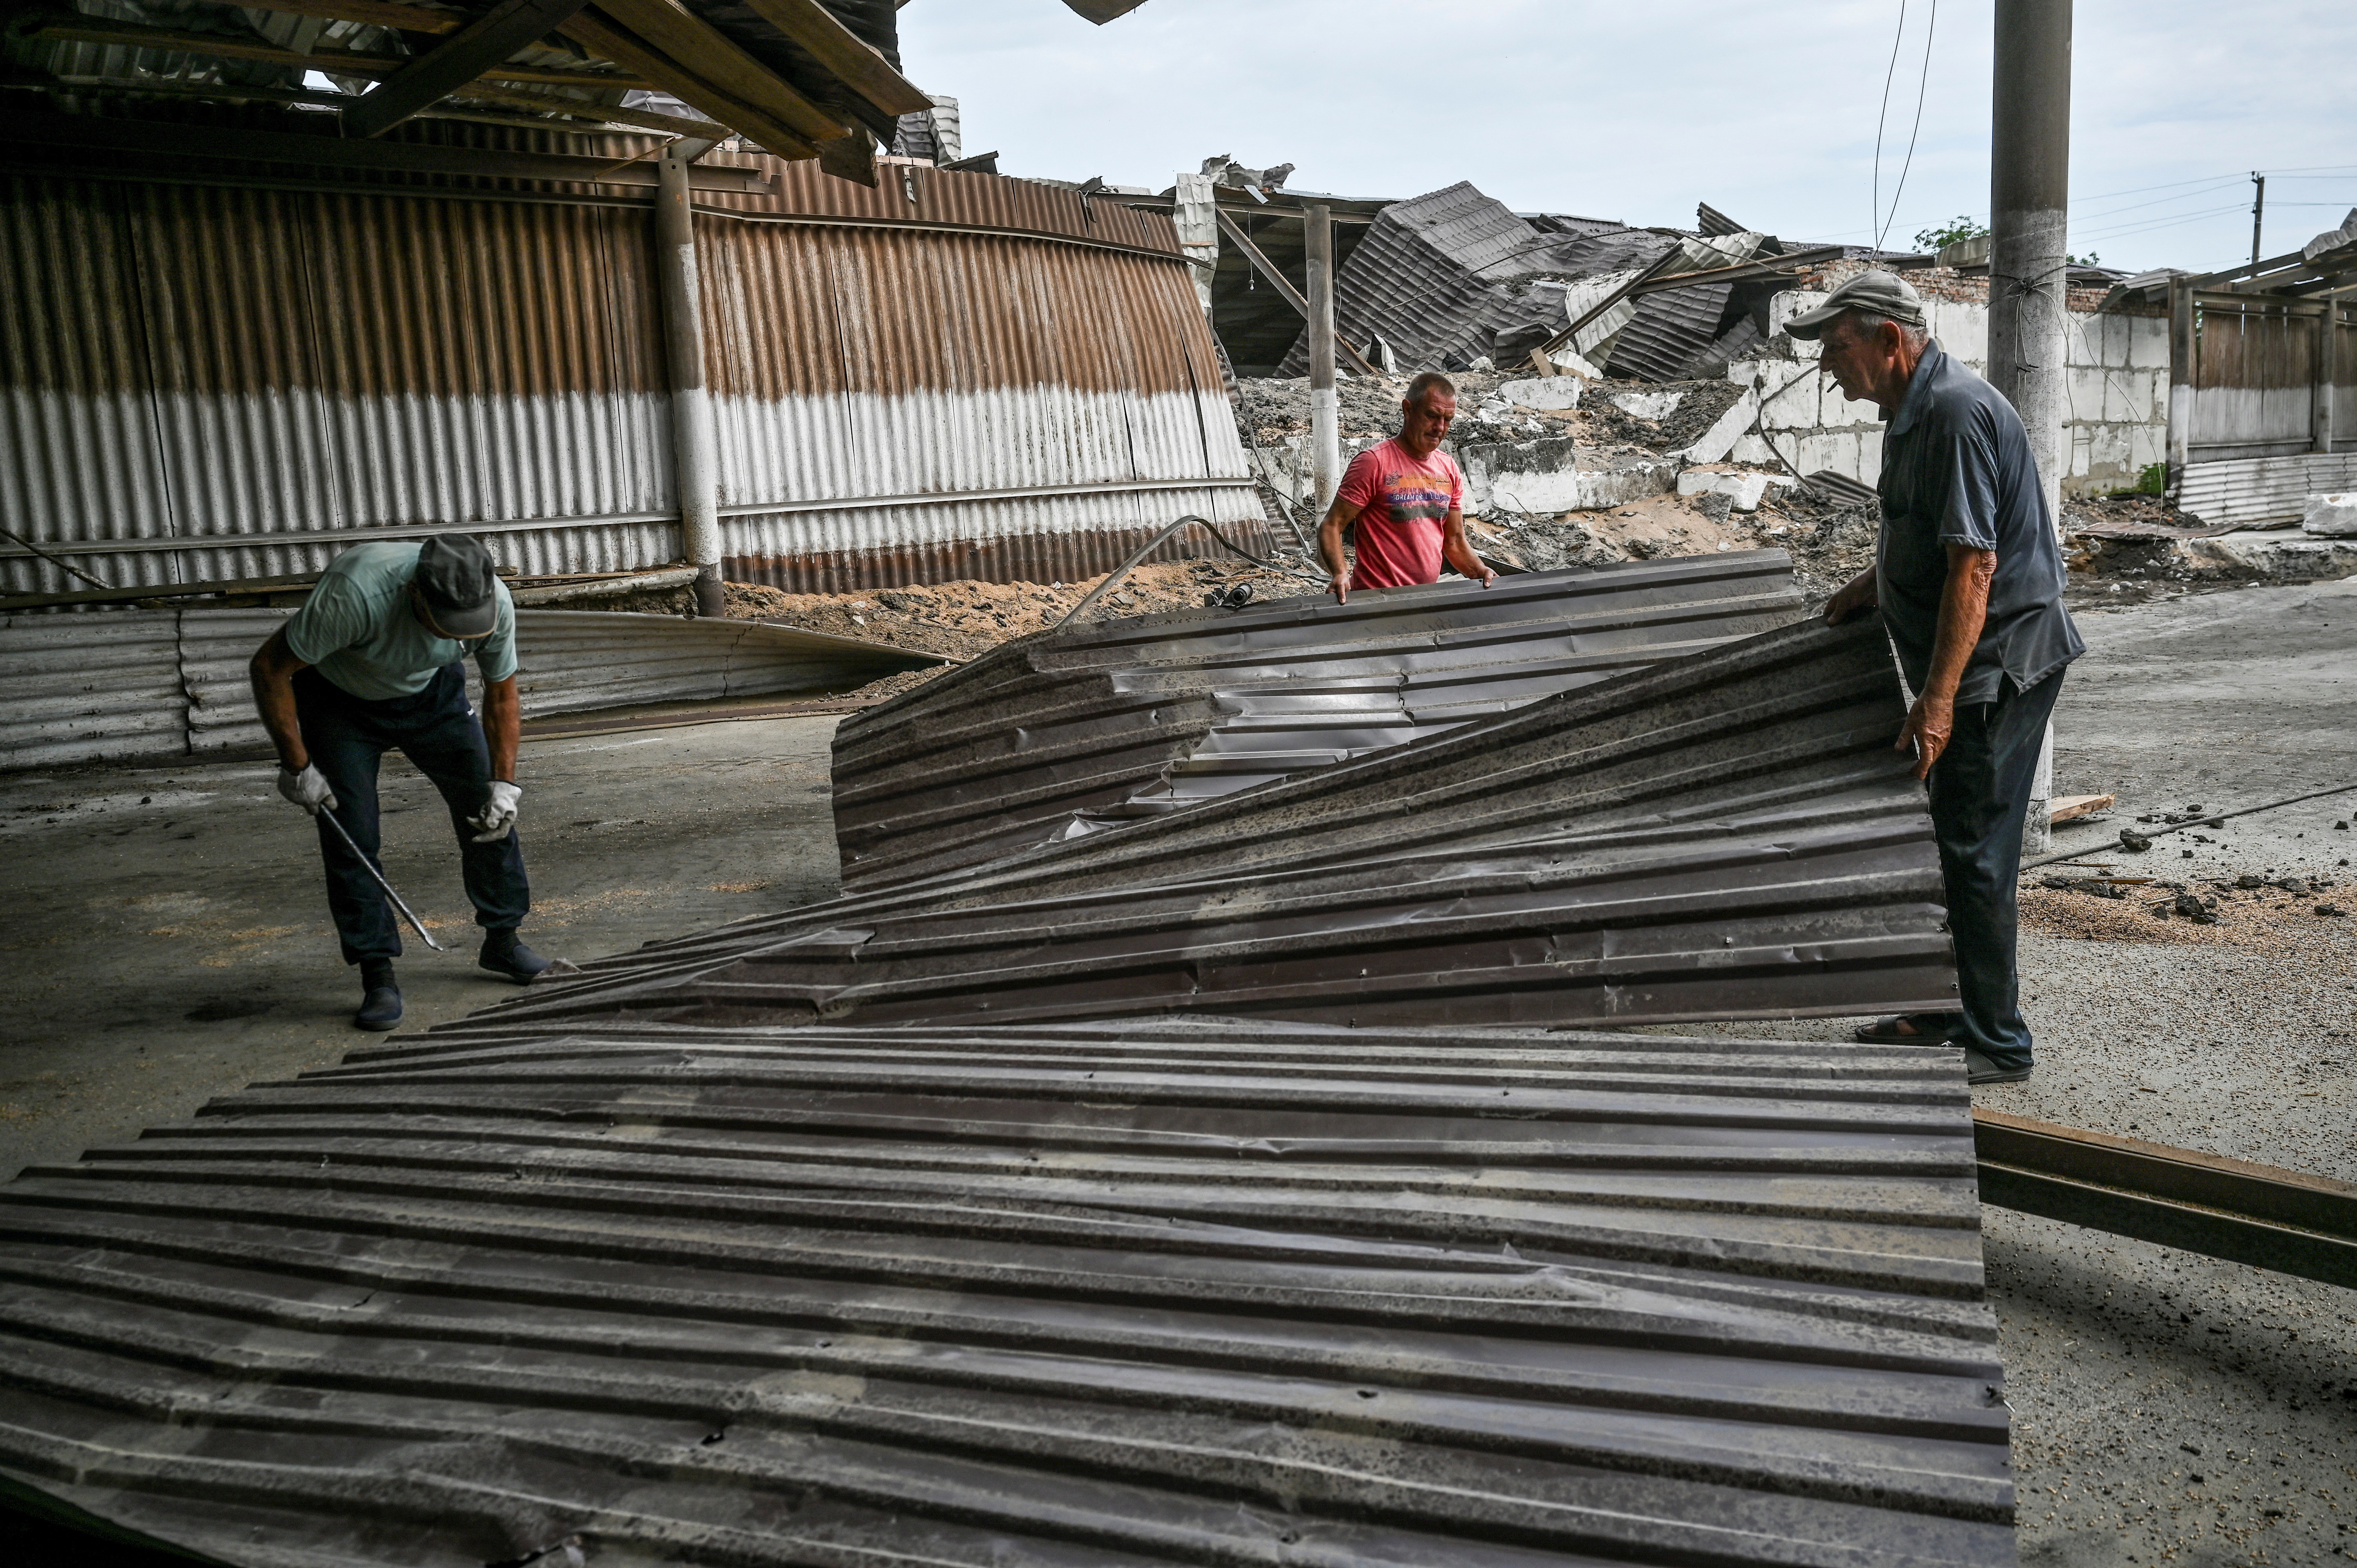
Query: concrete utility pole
point(2030, 237)
point(695, 451)
point(2258, 214)
point(2029, 195)
point(1324, 408)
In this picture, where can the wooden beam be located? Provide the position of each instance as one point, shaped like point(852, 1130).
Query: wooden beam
point(581, 109)
point(714, 57)
point(850, 157)
point(369, 13)
point(594, 30)
point(343, 63)
point(1284, 289)
point(458, 59)
point(851, 59)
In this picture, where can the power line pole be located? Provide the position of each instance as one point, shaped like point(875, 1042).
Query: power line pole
point(2258, 213)
point(1325, 410)
point(2030, 237)
point(2029, 195)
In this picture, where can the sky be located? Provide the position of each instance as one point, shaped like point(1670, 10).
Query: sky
point(1637, 111)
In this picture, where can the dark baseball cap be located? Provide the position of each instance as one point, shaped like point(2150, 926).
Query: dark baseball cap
point(455, 579)
point(1885, 294)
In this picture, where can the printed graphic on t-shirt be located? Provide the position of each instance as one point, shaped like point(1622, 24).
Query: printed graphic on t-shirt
point(1404, 510)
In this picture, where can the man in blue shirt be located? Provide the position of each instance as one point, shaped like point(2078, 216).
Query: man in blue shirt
point(1968, 576)
point(372, 663)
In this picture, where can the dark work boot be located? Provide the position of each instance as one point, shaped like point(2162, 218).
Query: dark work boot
point(381, 1006)
point(508, 958)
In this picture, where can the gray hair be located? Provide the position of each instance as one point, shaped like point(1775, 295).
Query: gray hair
point(1913, 333)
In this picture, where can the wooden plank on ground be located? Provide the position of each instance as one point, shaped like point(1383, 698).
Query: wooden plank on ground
point(2069, 808)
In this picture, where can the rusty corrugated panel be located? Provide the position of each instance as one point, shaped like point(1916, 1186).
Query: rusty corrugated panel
point(1226, 1293)
point(116, 684)
point(947, 199)
point(1067, 731)
point(287, 367)
point(278, 370)
point(1726, 835)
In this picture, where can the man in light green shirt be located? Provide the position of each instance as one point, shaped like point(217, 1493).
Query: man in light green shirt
point(372, 663)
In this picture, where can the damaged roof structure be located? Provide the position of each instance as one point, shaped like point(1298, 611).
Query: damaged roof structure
point(1451, 278)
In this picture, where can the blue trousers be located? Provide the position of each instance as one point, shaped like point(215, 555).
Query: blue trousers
point(438, 731)
point(1980, 793)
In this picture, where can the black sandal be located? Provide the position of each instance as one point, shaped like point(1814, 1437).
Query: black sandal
point(1901, 1030)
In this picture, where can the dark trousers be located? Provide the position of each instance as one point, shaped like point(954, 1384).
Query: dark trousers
point(1980, 794)
point(438, 731)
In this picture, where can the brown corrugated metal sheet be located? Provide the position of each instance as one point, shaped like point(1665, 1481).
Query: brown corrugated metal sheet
point(1069, 731)
point(1228, 1294)
point(282, 368)
point(1726, 836)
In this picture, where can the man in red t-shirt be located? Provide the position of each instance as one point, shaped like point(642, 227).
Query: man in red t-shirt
point(1408, 498)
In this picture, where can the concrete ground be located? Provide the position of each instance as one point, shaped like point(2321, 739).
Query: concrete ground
point(165, 940)
point(164, 934)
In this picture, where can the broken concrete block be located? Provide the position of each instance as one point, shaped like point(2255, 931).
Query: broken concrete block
point(1716, 442)
point(1743, 491)
point(1543, 393)
point(1647, 405)
point(1542, 477)
point(2334, 516)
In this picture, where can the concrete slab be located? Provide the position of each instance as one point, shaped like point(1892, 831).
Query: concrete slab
point(2278, 553)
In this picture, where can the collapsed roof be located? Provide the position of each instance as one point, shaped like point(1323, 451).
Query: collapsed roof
point(1453, 277)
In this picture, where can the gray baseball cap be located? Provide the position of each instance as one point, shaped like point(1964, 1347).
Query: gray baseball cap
point(457, 583)
point(1885, 294)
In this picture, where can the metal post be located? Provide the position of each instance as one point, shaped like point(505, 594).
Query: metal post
point(696, 454)
point(2029, 191)
point(1196, 212)
point(2258, 214)
point(2180, 380)
point(1324, 408)
point(2327, 343)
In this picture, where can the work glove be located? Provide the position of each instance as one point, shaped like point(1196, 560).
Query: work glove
point(308, 789)
point(498, 817)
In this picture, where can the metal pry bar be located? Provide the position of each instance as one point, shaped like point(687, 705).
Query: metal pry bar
point(408, 913)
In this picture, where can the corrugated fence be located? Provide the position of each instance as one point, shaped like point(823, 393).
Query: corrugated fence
point(995, 379)
point(142, 683)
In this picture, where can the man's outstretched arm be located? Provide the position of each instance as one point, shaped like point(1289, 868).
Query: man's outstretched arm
point(1457, 550)
point(272, 672)
point(1963, 610)
point(1339, 516)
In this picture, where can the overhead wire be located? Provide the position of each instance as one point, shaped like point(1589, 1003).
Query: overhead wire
point(1874, 217)
point(1922, 84)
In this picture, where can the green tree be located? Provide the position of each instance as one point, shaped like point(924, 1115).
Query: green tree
point(1957, 228)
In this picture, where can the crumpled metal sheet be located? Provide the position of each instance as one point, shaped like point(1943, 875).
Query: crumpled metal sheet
point(1067, 732)
point(1446, 277)
point(1726, 835)
point(1221, 1290)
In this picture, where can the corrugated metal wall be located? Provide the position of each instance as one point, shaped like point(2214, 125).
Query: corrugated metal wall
point(276, 369)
